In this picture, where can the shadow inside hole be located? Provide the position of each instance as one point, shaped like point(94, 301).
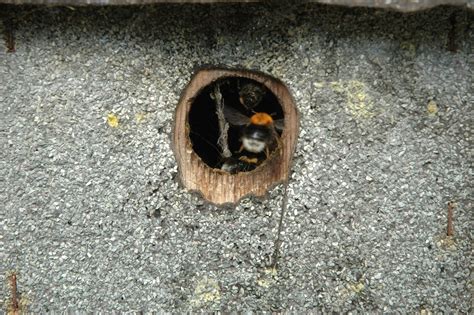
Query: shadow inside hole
point(203, 122)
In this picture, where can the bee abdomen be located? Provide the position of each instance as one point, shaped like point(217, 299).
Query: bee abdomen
point(257, 133)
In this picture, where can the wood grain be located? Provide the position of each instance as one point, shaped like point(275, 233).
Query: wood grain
point(220, 187)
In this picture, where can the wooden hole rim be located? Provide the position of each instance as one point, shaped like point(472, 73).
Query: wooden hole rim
point(219, 187)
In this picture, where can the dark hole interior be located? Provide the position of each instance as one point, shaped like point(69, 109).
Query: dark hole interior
point(204, 125)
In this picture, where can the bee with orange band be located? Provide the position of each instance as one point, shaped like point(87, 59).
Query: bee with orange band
point(259, 131)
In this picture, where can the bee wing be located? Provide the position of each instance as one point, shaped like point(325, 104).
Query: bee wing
point(234, 117)
point(279, 124)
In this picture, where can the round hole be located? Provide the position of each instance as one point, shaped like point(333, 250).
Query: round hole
point(243, 96)
point(197, 130)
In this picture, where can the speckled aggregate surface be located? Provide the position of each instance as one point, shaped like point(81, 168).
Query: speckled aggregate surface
point(93, 217)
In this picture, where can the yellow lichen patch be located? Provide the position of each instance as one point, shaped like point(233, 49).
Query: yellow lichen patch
point(337, 86)
point(272, 271)
point(268, 277)
point(361, 97)
point(358, 102)
point(432, 107)
point(352, 289)
point(447, 242)
point(221, 40)
point(22, 306)
point(249, 63)
point(409, 48)
point(356, 287)
point(112, 120)
point(207, 291)
point(263, 283)
point(318, 85)
point(139, 117)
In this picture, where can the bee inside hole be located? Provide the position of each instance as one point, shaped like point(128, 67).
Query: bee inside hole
point(253, 118)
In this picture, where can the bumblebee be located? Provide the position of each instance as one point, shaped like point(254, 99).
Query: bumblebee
point(259, 131)
point(235, 165)
point(251, 95)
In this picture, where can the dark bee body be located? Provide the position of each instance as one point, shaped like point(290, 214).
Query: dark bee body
point(258, 132)
point(242, 164)
point(251, 95)
point(257, 138)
